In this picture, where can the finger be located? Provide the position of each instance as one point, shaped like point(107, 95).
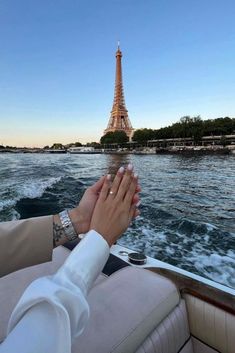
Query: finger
point(132, 213)
point(135, 199)
point(138, 188)
point(124, 185)
point(98, 185)
point(131, 190)
point(105, 188)
point(117, 181)
point(137, 213)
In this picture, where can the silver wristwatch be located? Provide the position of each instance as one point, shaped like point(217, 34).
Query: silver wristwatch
point(67, 226)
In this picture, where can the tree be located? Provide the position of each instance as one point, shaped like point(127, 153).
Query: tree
point(192, 127)
point(220, 126)
point(77, 144)
point(197, 130)
point(143, 135)
point(118, 137)
point(93, 144)
point(57, 146)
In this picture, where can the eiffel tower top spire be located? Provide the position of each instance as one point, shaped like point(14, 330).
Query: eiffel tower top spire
point(119, 101)
point(119, 114)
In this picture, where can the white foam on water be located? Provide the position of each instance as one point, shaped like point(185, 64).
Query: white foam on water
point(231, 254)
point(14, 215)
point(32, 189)
point(216, 267)
point(152, 234)
point(6, 204)
point(210, 227)
point(146, 231)
point(161, 236)
point(28, 189)
point(169, 250)
point(201, 258)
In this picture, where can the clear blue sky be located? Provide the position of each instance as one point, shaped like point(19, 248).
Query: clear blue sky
point(57, 65)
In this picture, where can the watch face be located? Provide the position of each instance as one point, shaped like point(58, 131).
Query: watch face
point(137, 258)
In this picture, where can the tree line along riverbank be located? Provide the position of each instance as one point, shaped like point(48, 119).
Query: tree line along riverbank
point(188, 134)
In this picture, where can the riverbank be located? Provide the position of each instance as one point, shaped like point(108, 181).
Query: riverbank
point(189, 150)
point(194, 151)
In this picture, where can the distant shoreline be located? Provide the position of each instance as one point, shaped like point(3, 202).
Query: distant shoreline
point(141, 151)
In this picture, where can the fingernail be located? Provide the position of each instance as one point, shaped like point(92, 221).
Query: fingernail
point(108, 176)
point(136, 175)
point(138, 203)
point(130, 166)
point(121, 170)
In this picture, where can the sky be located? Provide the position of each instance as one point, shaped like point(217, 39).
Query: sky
point(57, 65)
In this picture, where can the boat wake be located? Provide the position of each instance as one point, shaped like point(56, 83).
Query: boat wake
point(29, 189)
point(187, 212)
point(197, 247)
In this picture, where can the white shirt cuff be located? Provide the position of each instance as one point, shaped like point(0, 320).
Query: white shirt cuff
point(85, 262)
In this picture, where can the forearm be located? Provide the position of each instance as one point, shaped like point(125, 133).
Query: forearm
point(39, 331)
point(25, 243)
point(54, 309)
point(29, 242)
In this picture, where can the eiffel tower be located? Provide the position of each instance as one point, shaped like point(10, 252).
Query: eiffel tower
point(119, 120)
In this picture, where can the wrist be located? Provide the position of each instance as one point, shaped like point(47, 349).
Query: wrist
point(104, 234)
point(59, 237)
point(69, 230)
point(78, 221)
point(63, 229)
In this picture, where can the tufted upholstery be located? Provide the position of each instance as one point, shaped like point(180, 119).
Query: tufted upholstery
point(211, 325)
point(124, 310)
point(200, 347)
point(171, 335)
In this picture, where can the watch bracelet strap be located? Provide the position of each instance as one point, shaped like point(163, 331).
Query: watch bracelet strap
point(67, 225)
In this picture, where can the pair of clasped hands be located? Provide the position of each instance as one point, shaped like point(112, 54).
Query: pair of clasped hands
point(108, 207)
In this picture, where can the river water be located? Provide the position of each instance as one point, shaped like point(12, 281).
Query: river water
point(187, 211)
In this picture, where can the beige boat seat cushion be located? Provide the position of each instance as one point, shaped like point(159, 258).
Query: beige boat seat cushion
point(13, 285)
point(171, 335)
point(124, 310)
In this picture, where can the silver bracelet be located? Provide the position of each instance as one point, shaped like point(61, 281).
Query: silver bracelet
point(67, 226)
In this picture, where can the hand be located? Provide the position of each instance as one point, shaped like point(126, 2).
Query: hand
point(81, 215)
point(114, 209)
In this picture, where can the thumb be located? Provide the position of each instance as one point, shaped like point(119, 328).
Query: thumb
point(98, 185)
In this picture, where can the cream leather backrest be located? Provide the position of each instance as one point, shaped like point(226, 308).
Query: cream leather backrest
point(171, 335)
point(125, 309)
point(210, 324)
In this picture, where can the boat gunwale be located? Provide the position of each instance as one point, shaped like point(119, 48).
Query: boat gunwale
point(203, 291)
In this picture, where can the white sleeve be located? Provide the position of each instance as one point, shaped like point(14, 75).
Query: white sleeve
point(53, 309)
